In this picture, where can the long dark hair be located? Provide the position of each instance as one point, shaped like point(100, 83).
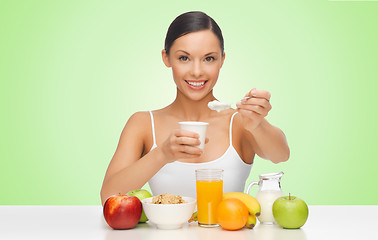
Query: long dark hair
point(191, 22)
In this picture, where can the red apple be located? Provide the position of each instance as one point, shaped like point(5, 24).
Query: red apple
point(122, 211)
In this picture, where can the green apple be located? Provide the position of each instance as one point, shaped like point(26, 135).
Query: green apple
point(290, 212)
point(141, 194)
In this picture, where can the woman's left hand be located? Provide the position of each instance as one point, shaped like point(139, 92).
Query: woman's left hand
point(254, 109)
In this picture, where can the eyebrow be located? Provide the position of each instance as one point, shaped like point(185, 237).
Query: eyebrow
point(207, 54)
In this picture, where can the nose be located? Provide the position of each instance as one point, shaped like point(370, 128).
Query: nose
point(196, 70)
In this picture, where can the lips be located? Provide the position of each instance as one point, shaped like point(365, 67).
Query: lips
point(196, 85)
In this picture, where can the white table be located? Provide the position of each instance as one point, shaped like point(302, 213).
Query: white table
point(87, 222)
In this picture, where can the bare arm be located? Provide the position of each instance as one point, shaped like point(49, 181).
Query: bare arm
point(268, 141)
point(128, 170)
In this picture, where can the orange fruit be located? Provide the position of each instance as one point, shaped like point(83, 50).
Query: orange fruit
point(232, 214)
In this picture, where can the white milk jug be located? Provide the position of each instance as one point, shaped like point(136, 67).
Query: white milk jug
point(269, 191)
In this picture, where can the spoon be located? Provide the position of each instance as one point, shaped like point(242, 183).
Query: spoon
point(220, 106)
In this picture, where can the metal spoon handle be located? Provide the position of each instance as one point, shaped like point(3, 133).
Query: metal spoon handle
point(245, 98)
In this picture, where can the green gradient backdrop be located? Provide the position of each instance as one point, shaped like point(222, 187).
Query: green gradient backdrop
point(73, 72)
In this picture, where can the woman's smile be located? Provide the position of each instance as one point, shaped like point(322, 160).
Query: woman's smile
point(197, 84)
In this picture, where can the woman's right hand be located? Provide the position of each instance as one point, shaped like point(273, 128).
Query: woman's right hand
point(181, 144)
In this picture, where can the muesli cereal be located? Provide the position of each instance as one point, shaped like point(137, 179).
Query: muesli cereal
point(167, 198)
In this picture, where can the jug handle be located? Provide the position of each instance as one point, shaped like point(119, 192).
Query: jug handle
point(250, 186)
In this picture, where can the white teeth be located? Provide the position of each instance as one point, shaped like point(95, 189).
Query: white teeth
point(196, 84)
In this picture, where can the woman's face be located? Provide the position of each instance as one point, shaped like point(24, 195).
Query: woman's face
point(196, 59)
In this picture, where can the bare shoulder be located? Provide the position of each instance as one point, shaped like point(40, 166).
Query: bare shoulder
point(243, 133)
point(140, 117)
point(131, 143)
point(136, 127)
point(244, 142)
point(138, 120)
point(238, 124)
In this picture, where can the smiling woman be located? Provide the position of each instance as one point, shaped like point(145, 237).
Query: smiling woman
point(153, 144)
point(195, 60)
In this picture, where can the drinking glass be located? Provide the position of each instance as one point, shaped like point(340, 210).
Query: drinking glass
point(209, 186)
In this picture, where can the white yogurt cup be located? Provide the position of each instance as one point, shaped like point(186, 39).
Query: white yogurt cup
point(198, 127)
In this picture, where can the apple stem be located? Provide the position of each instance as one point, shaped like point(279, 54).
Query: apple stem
point(289, 197)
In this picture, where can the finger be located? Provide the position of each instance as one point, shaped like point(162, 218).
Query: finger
point(261, 94)
point(190, 149)
point(253, 108)
point(187, 141)
point(187, 155)
point(207, 140)
point(258, 94)
point(249, 114)
point(257, 101)
point(185, 133)
point(249, 94)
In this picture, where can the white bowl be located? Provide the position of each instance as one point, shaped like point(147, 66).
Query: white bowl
point(169, 216)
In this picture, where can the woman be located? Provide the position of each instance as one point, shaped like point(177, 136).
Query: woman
point(153, 149)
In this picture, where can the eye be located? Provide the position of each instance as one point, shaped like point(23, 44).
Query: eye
point(209, 59)
point(184, 58)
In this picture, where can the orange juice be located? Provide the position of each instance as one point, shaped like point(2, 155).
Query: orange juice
point(209, 195)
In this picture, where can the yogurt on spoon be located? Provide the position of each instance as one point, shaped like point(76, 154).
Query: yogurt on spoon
point(220, 106)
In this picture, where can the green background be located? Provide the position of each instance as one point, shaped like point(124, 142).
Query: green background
point(73, 72)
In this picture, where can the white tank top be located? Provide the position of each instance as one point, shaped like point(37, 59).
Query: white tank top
point(179, 178)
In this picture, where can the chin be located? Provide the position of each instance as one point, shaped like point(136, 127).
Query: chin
point(197, 97)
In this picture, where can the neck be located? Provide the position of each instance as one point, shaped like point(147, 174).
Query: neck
point(192, 110)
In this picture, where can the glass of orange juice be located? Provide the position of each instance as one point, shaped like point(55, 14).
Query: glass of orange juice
point(209, 185)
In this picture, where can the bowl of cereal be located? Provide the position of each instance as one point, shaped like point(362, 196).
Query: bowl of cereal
point(168, 211)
